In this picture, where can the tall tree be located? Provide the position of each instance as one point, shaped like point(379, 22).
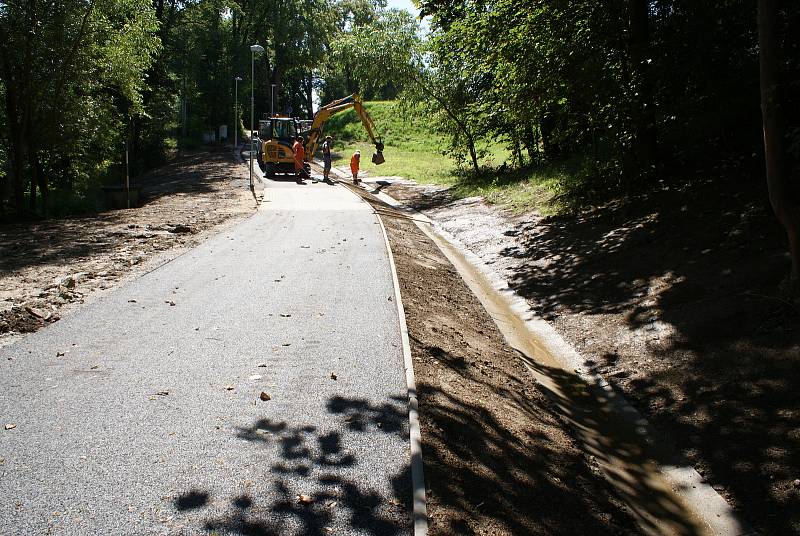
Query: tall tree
point(772, 105)
point(69, 68)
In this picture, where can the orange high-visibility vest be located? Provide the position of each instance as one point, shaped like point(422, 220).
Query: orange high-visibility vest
point(299, 155)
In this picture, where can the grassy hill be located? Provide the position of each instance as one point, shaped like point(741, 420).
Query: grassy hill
point(414, 150)
point(413, 146)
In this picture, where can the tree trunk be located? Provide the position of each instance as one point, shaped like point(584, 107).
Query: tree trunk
point(547, 126)
point(309, 94)
point(461, 125)
point(645, 145)
point(529, 142)
point(44, 189)
point(16, 153)
point(780, 197)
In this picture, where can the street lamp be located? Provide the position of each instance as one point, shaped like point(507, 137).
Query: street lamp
point(253, 50)
point(236, 114)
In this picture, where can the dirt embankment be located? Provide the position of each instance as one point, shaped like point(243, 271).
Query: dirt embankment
point(672, 298)
point(46, 267)
point(497, 462)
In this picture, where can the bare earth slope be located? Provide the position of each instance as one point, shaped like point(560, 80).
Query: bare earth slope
point(677, 307)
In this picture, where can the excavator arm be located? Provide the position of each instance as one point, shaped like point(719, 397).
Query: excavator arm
point(325, 113)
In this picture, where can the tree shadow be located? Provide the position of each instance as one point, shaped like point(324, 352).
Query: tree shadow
point(312, 489)
point(63, 240)
point(518, 477)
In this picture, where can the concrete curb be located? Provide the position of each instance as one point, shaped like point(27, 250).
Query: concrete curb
point(419, 507)
point(420, 510)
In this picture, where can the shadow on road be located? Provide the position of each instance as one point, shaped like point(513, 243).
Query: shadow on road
point(311, 493)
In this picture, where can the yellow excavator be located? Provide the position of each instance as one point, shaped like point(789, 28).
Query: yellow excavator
point(279, 132)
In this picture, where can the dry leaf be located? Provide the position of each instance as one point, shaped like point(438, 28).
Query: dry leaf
point(265, 396)
point(333, 375)
point(262, 365)
point(305, 499)
point(285, 315)
point(10, 426)
point(229, 387)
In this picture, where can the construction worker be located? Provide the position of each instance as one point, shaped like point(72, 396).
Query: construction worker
point(355, 160)
point(326, 158)
point(299, 156)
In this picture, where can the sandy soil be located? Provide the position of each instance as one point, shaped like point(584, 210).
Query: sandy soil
point(672, 298)
point(48, 268)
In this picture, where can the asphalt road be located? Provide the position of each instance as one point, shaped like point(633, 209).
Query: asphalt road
point(151, 422)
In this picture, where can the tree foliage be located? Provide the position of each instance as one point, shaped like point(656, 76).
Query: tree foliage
point(80, 78)
point(72, 70)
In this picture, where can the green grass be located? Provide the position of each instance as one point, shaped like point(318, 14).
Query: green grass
point(414, 150)
point(413, 147)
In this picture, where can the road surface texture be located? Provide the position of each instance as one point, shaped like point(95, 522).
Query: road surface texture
point(143, 412)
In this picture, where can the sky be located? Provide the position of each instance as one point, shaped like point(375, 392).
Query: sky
point(403, 4)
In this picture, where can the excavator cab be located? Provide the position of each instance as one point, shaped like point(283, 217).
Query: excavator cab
point(277, 134)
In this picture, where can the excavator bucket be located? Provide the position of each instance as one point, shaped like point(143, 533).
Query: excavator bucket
point(377, 158)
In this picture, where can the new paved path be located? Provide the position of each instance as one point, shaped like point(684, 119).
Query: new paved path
point(152, 422)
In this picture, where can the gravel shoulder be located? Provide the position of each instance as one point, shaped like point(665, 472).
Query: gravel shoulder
point(672, 299)
point(48, 268)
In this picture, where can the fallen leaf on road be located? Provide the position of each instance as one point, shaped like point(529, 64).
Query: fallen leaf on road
point(170, 302)
point(265, 396)
point(162, 393)
point(59, 354)
point(286, 344)
point(131, 301)
point(305, 499)
point(285, 315)
point(333, 376)
point(229, 387)
point(10, 426)
point(390, 298)
point(331, 504)
point(305, 247)
point(94, 367)
point(262, 365)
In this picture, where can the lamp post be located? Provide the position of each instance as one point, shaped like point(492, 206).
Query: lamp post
point(236, 113)
point(272, 101)
point(253, 50)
